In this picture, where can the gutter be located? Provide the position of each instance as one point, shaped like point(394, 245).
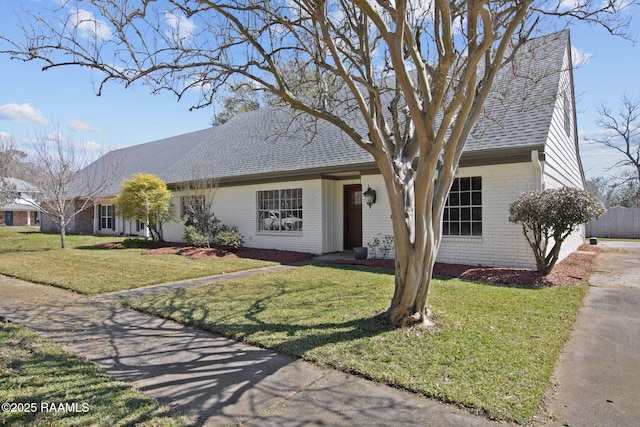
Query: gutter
point(537, 165)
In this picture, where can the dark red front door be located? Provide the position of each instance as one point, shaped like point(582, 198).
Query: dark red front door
point(352, 216)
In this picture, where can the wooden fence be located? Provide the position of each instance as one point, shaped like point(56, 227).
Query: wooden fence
point(621, 223)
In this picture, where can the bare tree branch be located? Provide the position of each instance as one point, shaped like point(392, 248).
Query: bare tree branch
point(65, 187)
point(622, 132)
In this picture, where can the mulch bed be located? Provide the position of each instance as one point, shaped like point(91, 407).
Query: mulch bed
point(216, 251)
point(573, 270)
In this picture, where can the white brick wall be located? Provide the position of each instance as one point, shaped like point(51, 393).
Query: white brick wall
point(237, 206)
point(502, 243)
point(376, 221)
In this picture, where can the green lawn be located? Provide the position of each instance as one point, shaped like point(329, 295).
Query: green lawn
point(494, 350)
point(30, 255)
point(37, 376)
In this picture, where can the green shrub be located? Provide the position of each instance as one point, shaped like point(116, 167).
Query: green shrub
point(194, 237)
point(229, 237)
point(136, 243)
point(548, 217)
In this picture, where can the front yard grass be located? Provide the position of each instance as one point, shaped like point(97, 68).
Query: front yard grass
point(29, 255)
point(81, 394)
point(494, 350)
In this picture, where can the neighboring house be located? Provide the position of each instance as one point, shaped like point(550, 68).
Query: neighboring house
point(301, 189)
point(23, 209)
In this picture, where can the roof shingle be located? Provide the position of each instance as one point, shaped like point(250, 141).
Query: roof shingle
point(517, 114)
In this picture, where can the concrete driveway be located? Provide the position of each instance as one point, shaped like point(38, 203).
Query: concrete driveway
point(596, 381)
point(617, 266)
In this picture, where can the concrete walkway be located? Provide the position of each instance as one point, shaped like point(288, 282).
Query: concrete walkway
point(597, 379)
point(219, 382)
point(213, 380)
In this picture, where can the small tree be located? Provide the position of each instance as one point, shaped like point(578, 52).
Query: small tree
point(196, 208)
point(65, 186)
point(145, 198)
point(549, 217)
point(7, 150)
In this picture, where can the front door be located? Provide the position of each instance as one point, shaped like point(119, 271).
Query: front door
point(352, 216)
point(8, 218)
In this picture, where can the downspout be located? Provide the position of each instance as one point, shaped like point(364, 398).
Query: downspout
point(537, 165)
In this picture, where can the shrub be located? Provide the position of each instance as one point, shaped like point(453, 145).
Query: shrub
point(220, 234)
point(194, 237)
point(229, 237)
point(381, 246)
point(550, 216)
point(136, 243)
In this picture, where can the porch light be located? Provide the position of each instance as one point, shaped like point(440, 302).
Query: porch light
point(369, 196)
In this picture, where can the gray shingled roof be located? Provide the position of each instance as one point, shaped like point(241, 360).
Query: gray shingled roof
point(261, 142)
point(258, 143)
point(519, 110)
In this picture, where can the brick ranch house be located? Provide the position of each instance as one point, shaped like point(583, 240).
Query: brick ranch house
point(296, 190)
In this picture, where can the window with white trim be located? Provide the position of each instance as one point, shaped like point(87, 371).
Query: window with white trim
point(192, 205)
point(463, 210)
point(106, 219)
point(280, 210)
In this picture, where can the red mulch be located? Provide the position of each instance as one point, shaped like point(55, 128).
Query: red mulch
point(572, 270)
point(223, 252)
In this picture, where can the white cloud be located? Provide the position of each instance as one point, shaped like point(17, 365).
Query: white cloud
point(80, 126)
point(181, 26)
point(569, 4)
point(579, 57)
point(88, 26)
point(22, 113)
point(5, 135)
point(90, 146)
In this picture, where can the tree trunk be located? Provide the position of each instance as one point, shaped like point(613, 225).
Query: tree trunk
point(414, 270)
point(416, 212)
point(63, 233)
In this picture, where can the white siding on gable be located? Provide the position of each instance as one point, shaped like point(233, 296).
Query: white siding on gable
point(562, 165)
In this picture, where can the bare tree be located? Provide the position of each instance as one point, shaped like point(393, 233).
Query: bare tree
point(414, 77)
point(65, 186)
point(622, 134)
point(7, 163)
point(611, 191)
point(196, 202)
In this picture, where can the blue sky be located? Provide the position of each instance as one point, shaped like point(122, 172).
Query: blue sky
point(32, 101)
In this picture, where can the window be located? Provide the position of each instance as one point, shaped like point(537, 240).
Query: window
point(191, 205)
point(280, 210)
point(463, 210)
point(106, 217)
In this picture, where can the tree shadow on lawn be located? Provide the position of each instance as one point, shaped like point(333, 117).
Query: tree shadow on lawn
point(86, 389)
point(296, 338)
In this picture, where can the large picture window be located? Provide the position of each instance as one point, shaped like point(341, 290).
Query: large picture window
point(463, 210)
point(280, 210)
